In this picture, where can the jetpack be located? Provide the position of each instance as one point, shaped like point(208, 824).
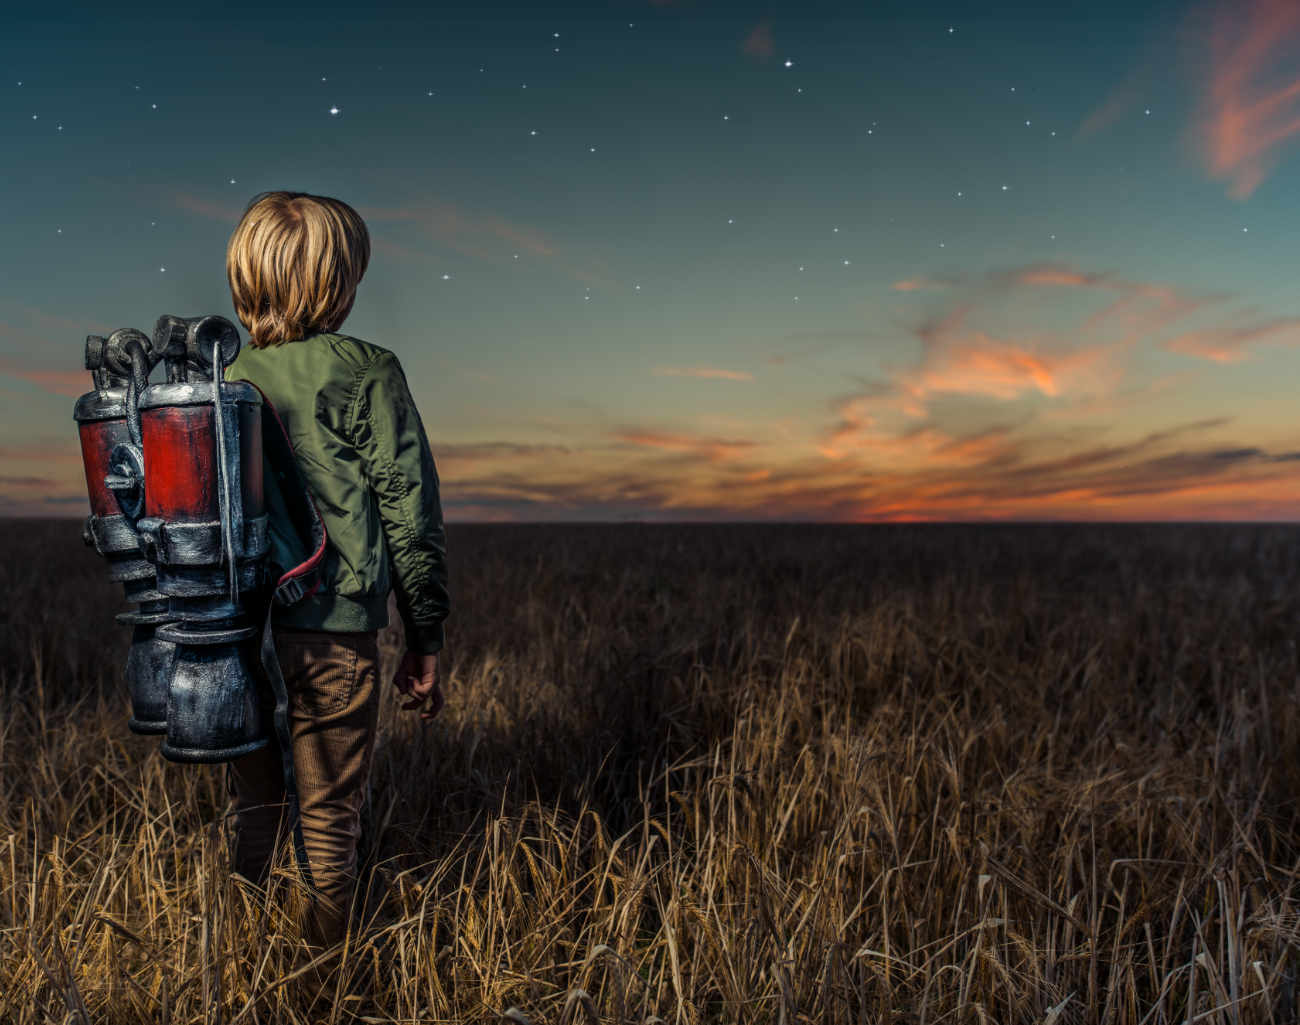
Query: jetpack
point(200, 509)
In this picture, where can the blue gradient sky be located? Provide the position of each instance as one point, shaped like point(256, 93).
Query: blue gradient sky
point(1043, 263)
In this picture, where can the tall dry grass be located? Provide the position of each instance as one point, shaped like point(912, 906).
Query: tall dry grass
point(713, 774)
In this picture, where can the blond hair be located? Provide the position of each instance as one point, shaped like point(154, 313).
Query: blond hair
point(293, 264)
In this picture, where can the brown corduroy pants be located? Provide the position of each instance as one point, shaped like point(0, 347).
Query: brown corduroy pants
point(332, 680)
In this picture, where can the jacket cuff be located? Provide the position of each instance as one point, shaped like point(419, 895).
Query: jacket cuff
point(424, 638)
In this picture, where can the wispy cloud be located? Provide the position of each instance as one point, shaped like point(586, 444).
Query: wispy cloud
point(995, 472)
point(479, 234)
point(51, 349)
point(71, 383)
point(62, 450)
point(729, 375)
point(26, 482)
point(1252, 96)
point(917, 284)
point(758, 42)
point(713, 449)
point(1230, 344)
point(212, 209)
point(978, 364)
point(1123, 98)
point(960, 358)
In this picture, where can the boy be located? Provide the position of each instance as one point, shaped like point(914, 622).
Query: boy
point(293, 264)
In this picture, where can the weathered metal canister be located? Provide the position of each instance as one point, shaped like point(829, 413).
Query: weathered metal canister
point(205, 531)
point(110, 450)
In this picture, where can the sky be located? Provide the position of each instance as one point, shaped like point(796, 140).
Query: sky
point(691, 260)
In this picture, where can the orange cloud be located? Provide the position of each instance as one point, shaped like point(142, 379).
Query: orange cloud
point(48, 450)
point(1052, 274)
point(1252, 99)
point(982, 365)
point(72, 383)
point(1115, 106)
point(759, 41)
point(713, 449)
point(730, 375)
point(959, 360)
point(915, 284)
point(1228, 345)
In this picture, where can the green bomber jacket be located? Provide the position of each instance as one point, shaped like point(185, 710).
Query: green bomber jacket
point(359, 441)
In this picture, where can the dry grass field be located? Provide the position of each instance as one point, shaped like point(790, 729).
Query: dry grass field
point(698, 773)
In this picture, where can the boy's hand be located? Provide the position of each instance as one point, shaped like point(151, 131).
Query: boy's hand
point(417, 677)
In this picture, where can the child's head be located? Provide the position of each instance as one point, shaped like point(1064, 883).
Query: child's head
point(293, 264)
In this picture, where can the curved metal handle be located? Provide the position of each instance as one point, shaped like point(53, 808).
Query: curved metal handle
point(193, 344)
point(212, 341)
point(169, 344)
point(127, 353)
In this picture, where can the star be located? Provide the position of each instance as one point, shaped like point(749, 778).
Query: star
point(1053, 135)
point(638, 287)
point(950, 30)
point(322, 78)
point(334, 110)
point(1004, 188)
point(941, 245)
point(959, 195)
point(446, 277)
point(1053, 237)
point(796, 298)
point(789, 64)
point(1148, 110)
point(533, 132)
point(232, 181)
point(516, 256)
point(430, 94)
point(725, 118)
point(593, 149)
point(524, 86)
point(846, 263)
point(58, 231)
point(162, 270)
point(1013, 88)
point(154, 106)
point(835, 229)
point(59, 128)
point(33, 117)
point(1245, 229)
point(555, 35)
point(801, 267)
point(1026, 124)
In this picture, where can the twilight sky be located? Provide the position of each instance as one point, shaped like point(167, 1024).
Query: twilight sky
point(687, 259)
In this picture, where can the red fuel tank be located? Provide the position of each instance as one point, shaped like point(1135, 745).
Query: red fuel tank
point(179, 431)
point(101, 425)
